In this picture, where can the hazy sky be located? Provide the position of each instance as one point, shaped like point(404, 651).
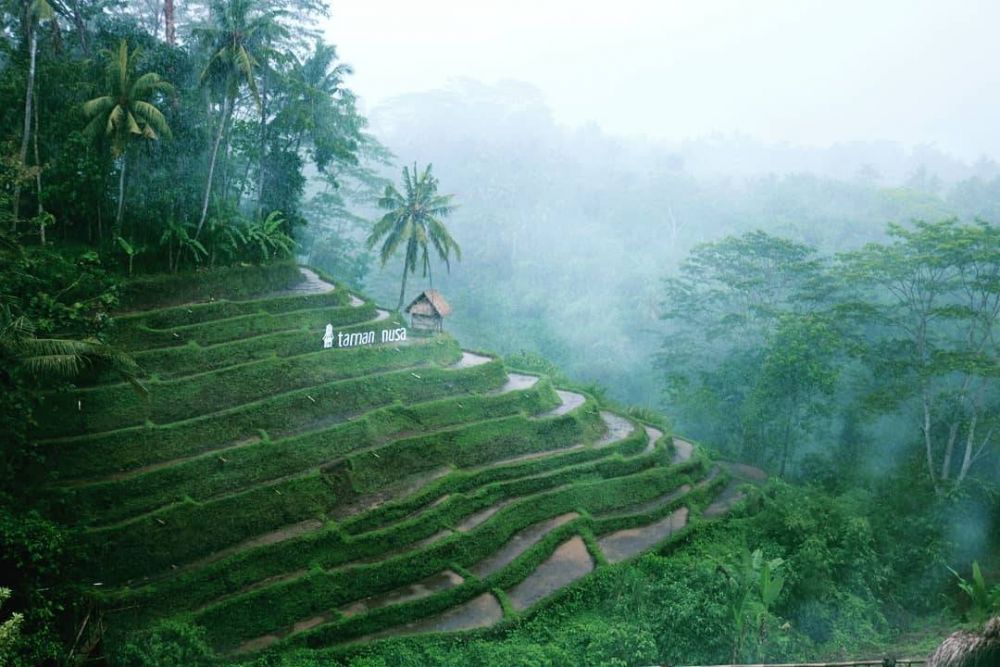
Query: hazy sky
point(803, 71)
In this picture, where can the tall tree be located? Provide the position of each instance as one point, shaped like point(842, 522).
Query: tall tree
point(169, 27)
point(237, 33)
point(125, 112)
point(931, 301)
point(413, 222)
point(33, 13)
point(745, 357)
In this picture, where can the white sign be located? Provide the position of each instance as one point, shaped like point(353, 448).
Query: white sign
point(357, 338)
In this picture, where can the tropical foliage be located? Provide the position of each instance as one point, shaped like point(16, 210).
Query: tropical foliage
point(413, 222)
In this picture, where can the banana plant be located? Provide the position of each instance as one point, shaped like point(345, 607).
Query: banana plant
point(131, 250)
point(176, 234)
point(755, 585)
point(268, 237)
point(983, 600)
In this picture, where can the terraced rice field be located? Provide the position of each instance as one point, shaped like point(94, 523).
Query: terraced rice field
point(280, 494)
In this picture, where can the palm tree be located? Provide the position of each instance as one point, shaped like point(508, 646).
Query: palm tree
point(62, 358)
point(125, 112)
point(412, 221)
point(33, 13)
point(237, 34)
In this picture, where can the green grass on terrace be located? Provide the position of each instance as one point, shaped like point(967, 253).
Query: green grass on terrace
point(244, 326)
point(214, 499)
point(172, 362)
point(263, 610)
point(214, 473)
point(111, 407)
point(188, 530)
point(467, 492)
point(126, 449)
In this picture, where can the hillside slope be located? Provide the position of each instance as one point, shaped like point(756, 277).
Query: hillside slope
point(278, 493)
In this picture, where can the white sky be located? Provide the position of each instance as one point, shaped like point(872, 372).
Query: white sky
point(804, 71)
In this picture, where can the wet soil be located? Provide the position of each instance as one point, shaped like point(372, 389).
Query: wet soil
point(420, 589)
point(566, 564)
point(518, 544)
point(627, 543)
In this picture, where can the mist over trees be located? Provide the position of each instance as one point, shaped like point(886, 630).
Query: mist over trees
point(554, 209)
point(826, 314)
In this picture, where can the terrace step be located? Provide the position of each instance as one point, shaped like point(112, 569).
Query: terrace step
point(568, 562)
point(517, 545)
point(311, 284)
point(624, 544)
point(480, 612)
point(570, 401)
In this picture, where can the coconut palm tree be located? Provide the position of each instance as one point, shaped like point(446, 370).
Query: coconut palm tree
point(237, 35)
point(125, 113)
point(413, 222)
point(54, 358)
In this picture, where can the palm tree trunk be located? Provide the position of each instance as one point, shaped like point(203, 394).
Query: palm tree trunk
point(227, 152)
point(38, 179)
point(263, 142)
point(211, 166)
point(81, 28)
point(402, 288)
point(121, 197)
point(168, 22)
point(28, 99)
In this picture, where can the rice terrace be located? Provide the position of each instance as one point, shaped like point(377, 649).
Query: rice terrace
point(278, 493)
point(361, 333)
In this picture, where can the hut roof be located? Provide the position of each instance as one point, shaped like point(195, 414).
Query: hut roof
point(430, 302)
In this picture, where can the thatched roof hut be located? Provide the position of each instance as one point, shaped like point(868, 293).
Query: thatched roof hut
point(427, 311)
point(969, 649)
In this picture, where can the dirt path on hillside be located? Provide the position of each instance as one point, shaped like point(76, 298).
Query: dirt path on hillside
point(653, 434)
point(518, 544)
point(404, 487)
point(682, 451)
point(570, 401)
point(618, 429)
point(470, 359)
point(732, 493)
point(526, 457)
point(134, 472)
point(566, 564)
point(516, 382)
point(624, 544)
point(477, 518)
point(311, 284)
point(266, 539)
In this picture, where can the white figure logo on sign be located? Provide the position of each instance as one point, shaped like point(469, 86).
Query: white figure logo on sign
point(328, 336)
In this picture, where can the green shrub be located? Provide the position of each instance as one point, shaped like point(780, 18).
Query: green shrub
point(169, 644)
